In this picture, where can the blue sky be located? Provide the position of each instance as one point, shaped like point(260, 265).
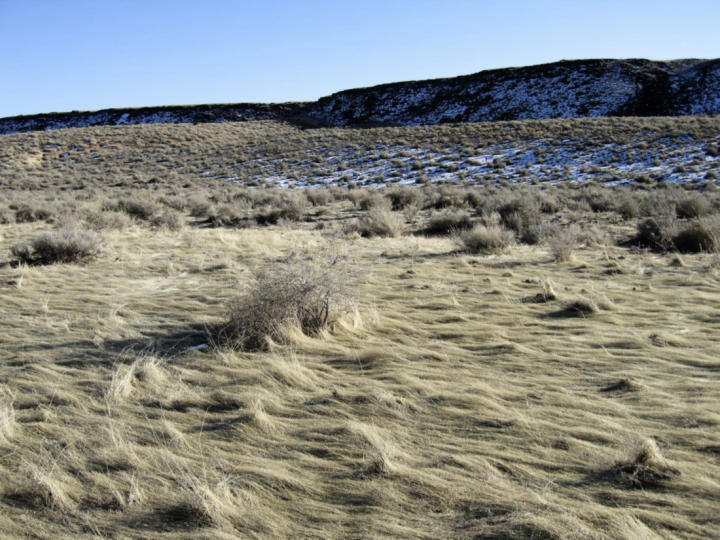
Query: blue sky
point(60, 55)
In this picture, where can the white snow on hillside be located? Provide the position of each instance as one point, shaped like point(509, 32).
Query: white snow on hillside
point(671, 159)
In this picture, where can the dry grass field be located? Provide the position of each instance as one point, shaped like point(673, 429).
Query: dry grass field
point(488, 360)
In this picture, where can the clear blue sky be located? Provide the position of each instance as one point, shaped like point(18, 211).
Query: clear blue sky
point(60, 55)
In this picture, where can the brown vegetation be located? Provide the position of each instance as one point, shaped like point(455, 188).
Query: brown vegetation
point(554, 377)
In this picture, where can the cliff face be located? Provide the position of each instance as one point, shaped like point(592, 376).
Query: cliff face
point(580, 88)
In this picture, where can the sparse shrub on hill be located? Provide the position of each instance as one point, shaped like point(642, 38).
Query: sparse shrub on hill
point(448, 221)
point(445, 198)
point(228, 215)
point(562, 242)
point(627, 207)
point(199, 206)
point(140, 209)
point(381, 222)
point(403, 197)
point(30, 212)
point(695, 206)
point(297, 295)
point(108, 220)
point(699, 235)
point(292, 208)
point(319, 196)
point(600, 200)
point(522, 214)
point(6, 216)
point(658, 203)
point(656, 232)
point(167, 219)
point(369, 200)
point(60, 246)
point(485, 239)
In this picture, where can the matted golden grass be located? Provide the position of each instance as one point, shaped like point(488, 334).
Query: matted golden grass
point(500, 396)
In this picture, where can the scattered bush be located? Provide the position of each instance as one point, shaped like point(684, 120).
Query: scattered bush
point(27, 213)
point(61, 246)
point(199, 206)
point(368, 201)
point(700, 235)
point(102, 221)
point(168, 219)
point(449, 221)
point(485, 239)
point(6, 216)
point(143, 210)
point(292, 208)
point(520, 215)
point(656, 232)
point(381, 222)
point(297, 294)
point(149, 211)
point(693, 207)
point(403, 197)
point(563, 242)
point(228, 215)
point(628, 207)
point(319, 196)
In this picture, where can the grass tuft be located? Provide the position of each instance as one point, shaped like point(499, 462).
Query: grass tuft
point(646, 469)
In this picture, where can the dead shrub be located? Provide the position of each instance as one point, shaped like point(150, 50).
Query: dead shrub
point(61, 246)
point(628, 207)
point(292, 208)
point(563, 242)
point(143, 210)
point(296, 294)
point(368, 201)
point(656, 232)
point(693, 207)
point(319, 196)
point(27, 213)
point(6, 216)
point(199, 206)
point(381, 222)
point(102, 221)
point(485, 239)
point(228, 215)
point(522, 214)
point(167, 219)
point(403, 197)
point(448, 221)
point(700, 235)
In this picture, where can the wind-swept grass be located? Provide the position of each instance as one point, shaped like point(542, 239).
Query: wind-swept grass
point(559, 389)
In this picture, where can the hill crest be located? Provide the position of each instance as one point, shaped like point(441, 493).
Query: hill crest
point(565, 89)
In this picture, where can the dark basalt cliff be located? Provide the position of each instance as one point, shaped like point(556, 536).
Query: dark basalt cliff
point(567, 89)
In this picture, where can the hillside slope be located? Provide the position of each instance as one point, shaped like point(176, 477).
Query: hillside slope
point(567, 89)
